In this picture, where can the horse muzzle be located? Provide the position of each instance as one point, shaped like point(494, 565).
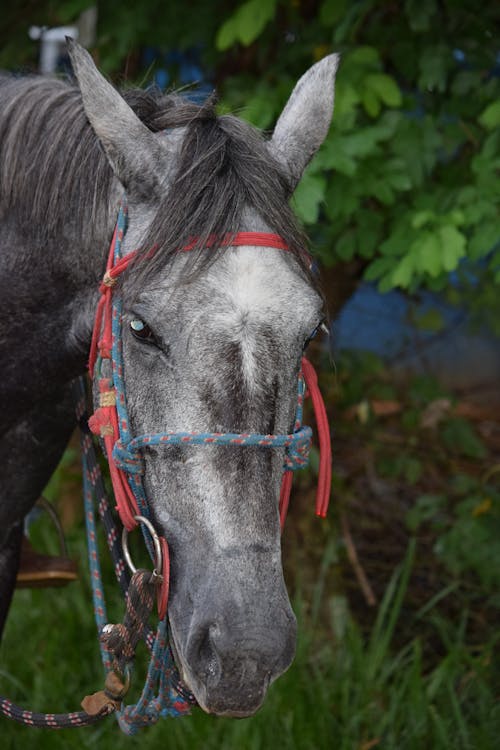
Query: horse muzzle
point(228, 661)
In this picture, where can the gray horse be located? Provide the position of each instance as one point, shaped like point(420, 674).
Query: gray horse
point(212, 338)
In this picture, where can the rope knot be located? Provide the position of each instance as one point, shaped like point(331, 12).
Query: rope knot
point(100, 423)
point(108, 280)
point(297, 453)
point(121, 639)
point(127, 459)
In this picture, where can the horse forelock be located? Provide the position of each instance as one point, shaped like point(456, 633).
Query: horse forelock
point(225, 174)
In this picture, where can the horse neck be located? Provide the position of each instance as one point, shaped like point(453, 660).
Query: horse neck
point(51, 291)
point(58, 196)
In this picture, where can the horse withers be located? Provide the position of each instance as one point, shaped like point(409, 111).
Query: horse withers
point(212, 338)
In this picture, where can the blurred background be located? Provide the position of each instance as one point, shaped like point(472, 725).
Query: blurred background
point(397, 592)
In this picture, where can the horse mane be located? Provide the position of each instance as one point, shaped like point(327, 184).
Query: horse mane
point(55, 180)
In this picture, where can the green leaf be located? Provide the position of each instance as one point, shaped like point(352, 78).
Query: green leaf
point(369, 232)
point(434, 64)
point(345, 248)
point(426, 252)
point(346, 98)
point(259, 110)
point(359, 144)
point(491, 146)
point(308, 197)
point(485, 237)
point(378, 268)
point(400, 181)
point(374, 185)
point(368, 56)
point(246, 23)
point(371, 102)
point(431, 252)
point(342, 199)
point(453, 245)
point(460, 438)
point(227, 34)
point(335, 156)
point(479, 209)
point(403, 273)
point(425, 509)
point(385, 284)
point(421, 218)
point(385, 88)
point(490, 117)
point(456, 217)
point(398, 240)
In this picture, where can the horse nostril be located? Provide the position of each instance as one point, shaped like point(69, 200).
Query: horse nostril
point(207, 655)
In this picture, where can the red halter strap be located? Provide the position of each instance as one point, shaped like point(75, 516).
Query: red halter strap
point(252, 239)
point(325, 449)
point(101, 335)
point(324, 439)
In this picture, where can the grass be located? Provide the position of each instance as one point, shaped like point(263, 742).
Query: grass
point(344, 691)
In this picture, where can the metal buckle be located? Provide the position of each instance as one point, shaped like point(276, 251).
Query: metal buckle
point(157, 577)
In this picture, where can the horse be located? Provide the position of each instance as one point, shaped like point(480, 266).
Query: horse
point(212, 338)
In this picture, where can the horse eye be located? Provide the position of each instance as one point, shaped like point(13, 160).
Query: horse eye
point(323, 327)
point(142, 331)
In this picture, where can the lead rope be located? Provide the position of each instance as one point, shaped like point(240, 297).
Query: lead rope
point(163, 694)
point(75, 718)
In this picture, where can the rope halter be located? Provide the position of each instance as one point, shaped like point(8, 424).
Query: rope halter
point(111, 423)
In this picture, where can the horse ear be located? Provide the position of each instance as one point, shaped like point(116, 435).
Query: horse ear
point(135, 154)
point(304, 123)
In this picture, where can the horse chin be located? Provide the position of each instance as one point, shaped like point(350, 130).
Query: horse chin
point(235, 704)
point(233, 708)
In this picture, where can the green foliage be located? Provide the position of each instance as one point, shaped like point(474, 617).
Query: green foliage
point(459, 438)
point(441, 465)
point(468, 528)
point(409, 147)
point(360, 690)
point(406, 183)
point(490, 118)
point(246, 23)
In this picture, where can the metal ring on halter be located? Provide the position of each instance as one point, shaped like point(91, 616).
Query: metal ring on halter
point(156, 575)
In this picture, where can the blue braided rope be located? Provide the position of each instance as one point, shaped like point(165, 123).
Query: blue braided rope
point(100, 613)
point(128, 456)
point(160, 695)
point(162, 675)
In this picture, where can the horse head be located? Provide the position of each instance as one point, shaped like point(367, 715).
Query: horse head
point(212, 342)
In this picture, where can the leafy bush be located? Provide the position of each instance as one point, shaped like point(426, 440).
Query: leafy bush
point(405, 186)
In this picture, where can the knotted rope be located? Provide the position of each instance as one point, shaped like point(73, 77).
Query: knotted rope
point(121, 641)
point(128, 457)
